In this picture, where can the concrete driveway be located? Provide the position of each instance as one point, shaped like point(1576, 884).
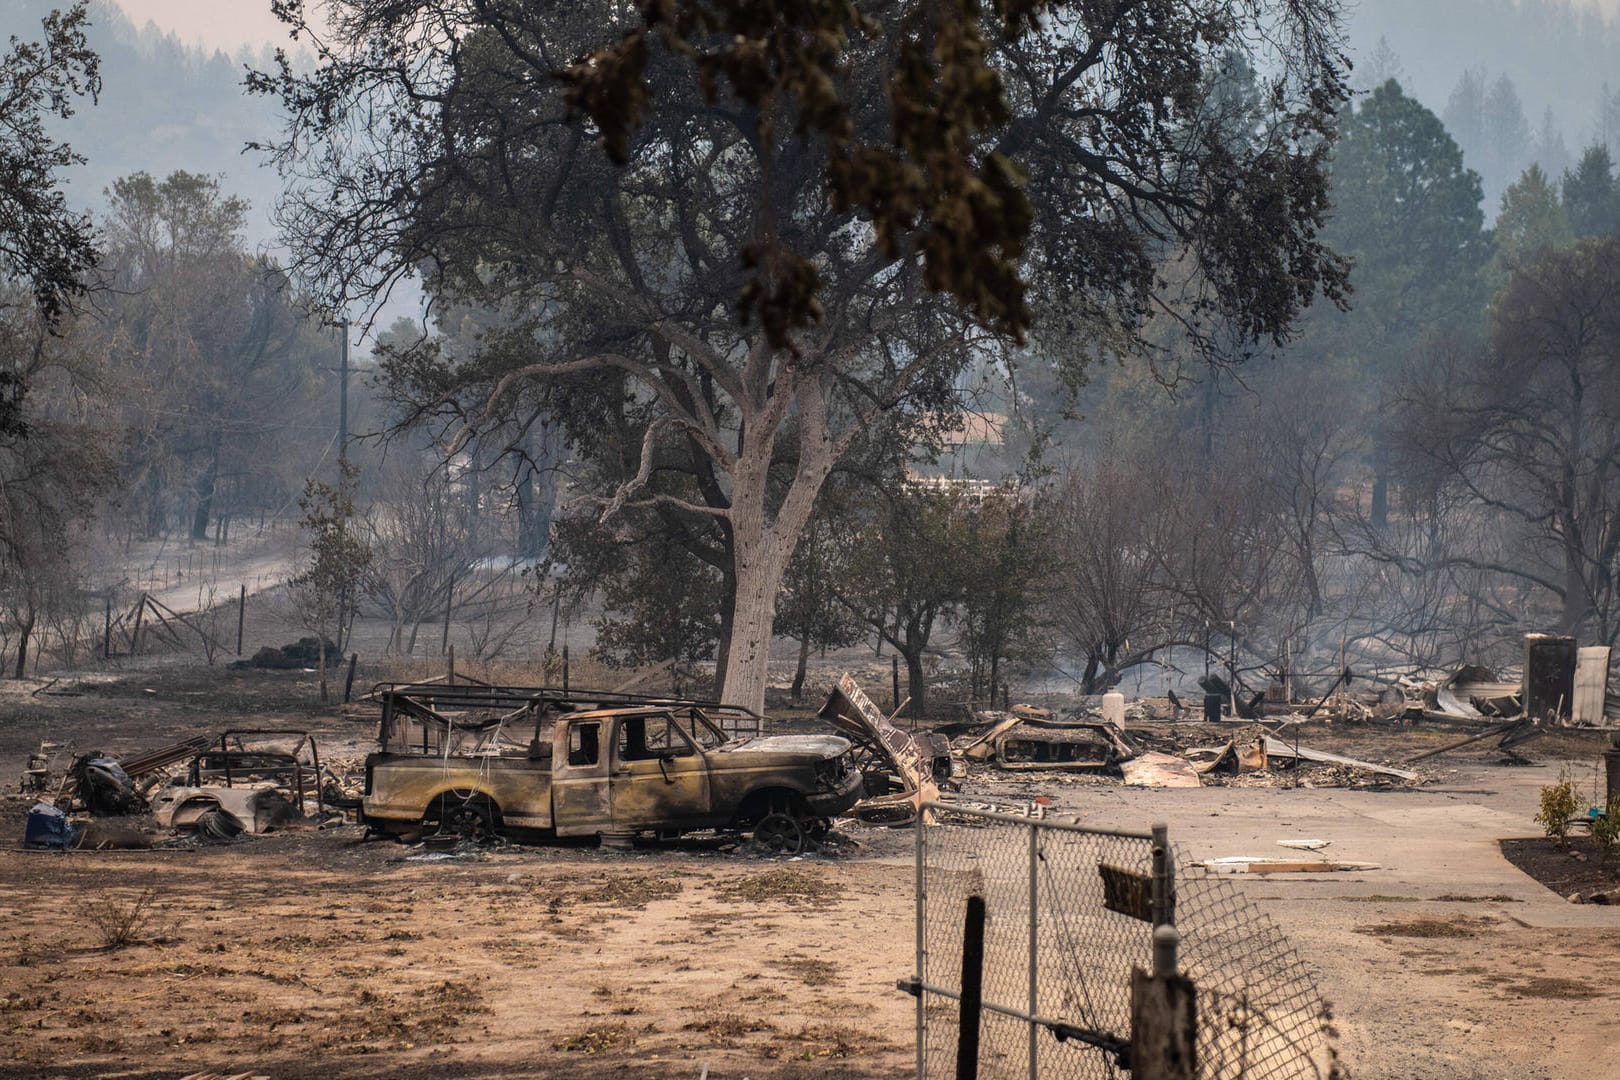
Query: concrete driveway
point(1446, 961)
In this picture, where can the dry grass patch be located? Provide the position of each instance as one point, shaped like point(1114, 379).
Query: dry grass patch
point(729, 1027)
point(1460, 926)
point(627, 892)
point(1461, 898)
point(403, 1021)
point(119, 923)
point(809, 971)
point(815, 1041)
point(1377, 898)
point(632, 892)
point(598, 1039)
point(783, 884)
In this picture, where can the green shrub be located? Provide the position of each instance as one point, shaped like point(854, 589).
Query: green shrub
point(1559, 805)
point(1606, 830)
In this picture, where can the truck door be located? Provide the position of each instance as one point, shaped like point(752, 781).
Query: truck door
point(660, 778)
point(580, 798)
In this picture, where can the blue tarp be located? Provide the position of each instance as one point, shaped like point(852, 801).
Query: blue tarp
point(48, 827)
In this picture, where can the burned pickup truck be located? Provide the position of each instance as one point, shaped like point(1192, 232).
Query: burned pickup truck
point(480, 760)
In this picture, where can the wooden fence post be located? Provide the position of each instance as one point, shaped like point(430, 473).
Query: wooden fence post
point(967, 1036)
point(1164, 1027)
point(135, 638)
point(894, 671)
point(241, 615)
point(449, 599)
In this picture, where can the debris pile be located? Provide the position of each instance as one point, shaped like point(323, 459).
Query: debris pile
point(300, 654)
point(211, 788)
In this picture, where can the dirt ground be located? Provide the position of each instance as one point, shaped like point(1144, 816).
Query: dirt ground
point(316, 954)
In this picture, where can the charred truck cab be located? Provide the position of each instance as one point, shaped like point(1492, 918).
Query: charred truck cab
point(454, 759)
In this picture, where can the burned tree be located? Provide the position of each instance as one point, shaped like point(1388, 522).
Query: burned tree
point(336, 557)
point(1525, 433)
point(906, 572)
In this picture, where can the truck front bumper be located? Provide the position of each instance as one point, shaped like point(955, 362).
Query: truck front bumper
point(831, 803)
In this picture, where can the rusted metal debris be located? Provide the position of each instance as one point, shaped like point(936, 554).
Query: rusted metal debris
point(436, 717)
point(1512, 733)
point(911, 765)
point(1276, 748)
point(1029, 738)
point(1237, 756)
point(223, 812)
point(1036, 744)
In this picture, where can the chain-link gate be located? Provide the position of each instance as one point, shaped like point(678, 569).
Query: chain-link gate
point(1260, 1015)
point(1070, 912)
point(1058, 951)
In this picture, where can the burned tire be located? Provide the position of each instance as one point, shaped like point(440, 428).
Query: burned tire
point(473, 820)
point(780, 833)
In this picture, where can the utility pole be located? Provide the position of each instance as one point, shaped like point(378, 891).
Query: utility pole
point(343, 397)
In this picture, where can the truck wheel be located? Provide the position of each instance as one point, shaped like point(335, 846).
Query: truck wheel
point(780, 833)
point(471, 820)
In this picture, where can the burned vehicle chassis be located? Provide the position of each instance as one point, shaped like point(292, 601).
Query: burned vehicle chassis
point(475, 760)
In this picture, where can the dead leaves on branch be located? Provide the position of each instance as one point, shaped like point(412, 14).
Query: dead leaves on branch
point(930, 189)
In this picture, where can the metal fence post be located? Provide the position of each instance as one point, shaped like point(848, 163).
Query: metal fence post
point(1164, 878)
point(1034, 945)
point(921, 829)
point(1163, 1005)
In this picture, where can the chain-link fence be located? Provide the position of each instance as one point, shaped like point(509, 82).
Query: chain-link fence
point(1259, 1012)
point(1070, 912)
point(1058, 951)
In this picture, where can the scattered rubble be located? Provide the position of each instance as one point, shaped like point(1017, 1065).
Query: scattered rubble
point(241, 781)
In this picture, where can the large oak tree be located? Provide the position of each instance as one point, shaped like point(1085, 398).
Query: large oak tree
point(730, 239)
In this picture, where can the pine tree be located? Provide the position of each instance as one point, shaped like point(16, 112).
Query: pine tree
point(1591, 196)
point(1532, 220)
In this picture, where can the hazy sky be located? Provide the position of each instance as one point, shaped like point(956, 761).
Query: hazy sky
point(228, 24)
point(217, 24)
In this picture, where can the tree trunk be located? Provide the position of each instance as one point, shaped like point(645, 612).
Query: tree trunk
point(24, 631)
point(537, 493)
point(1576, 603)
point(804, 663)
point(722, 643)
point(156, 519)
point(759, 573)
point(1088, 680)
point(916, 683)
point(760, 549)
point(1380, 488)
point(321, 648)
point(205, 493)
